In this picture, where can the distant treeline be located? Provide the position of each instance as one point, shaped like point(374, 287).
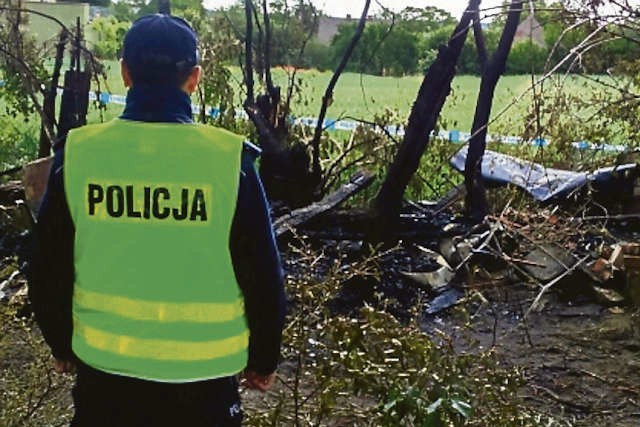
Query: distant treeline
point(400, 44)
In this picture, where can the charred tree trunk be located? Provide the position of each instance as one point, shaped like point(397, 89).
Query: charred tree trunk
point(284, 167)
point(432, 94)
point(75, 96)
point(49, 102)
point(476, 200)
point(266, 134)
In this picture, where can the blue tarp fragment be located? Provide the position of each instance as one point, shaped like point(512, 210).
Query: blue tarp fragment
point(543, 183)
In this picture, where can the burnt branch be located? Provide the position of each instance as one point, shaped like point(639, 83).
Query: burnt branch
point(248, 50)
point(499, 58)
point(267, 50)
point(480, 44)
point(476, 202)
point(49, 102)
point(268, 140)
point(292, 75)
point(432, 94)
point(327, 99)
point(260, 67)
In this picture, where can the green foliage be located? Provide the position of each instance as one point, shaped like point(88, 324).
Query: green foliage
point(109, 36)
point(291, 27)
point(526, 57)
point(424, 19)
point(123, 11)
point(317, 55)
point(217, 46)
point(22, 68)
point(382, 50)
point(178, 7)
point(18, 144)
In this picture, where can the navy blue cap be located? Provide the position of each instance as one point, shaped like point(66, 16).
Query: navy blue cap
point(160, 44)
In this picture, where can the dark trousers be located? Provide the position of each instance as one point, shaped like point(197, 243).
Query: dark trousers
point(106, 400)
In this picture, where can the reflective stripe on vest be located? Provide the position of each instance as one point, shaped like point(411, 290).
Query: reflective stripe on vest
point(155, 294)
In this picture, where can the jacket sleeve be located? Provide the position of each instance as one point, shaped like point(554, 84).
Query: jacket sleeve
point(258, 269)
point(51, 273)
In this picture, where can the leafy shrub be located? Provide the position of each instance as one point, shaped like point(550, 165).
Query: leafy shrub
point(17, 144)
point(109, 36)
point(526, 57)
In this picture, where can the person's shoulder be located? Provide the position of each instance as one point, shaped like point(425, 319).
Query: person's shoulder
point(87, 131)
point(217, 131)
point(222, 137)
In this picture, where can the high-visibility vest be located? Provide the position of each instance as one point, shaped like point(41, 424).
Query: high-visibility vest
point(155, 294)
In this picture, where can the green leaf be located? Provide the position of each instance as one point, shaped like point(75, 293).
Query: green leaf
point(434, 406)
point(461, 407)
point(390, 405)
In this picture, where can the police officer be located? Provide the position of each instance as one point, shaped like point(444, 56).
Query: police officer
point(155, 272)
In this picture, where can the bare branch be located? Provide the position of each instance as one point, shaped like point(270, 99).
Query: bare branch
point(49, 102)
point(480, 44)
point(292, 76)
point(268, 140)
point(260, 67)
point(248, 43)
point(327, 99)
point(233, 26)
point(267, 49)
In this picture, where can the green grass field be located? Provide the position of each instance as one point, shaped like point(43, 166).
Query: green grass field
point(364, 96)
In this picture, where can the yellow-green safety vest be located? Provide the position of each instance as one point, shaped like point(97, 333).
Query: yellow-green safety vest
point(155, 294)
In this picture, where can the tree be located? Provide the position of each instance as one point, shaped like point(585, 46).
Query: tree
point(424, 20)
point(178, 7)
point(30, 87)
point(123, 11)
point(432, 94)
point(24, 75)
point(394, 44)
point(383, 50)
point(110, 34)
point(492, 68)
point(526, 57)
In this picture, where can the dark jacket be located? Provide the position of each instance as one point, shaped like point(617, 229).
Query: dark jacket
point(252, 245)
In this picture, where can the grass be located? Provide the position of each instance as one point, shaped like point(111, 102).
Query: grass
point(364, 96)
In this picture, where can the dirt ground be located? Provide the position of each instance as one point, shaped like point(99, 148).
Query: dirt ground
point(581, 360)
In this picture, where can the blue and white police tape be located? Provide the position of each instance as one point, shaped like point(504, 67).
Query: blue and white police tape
point(454, 136)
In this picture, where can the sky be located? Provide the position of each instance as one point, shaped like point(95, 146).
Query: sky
point(341, 8)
